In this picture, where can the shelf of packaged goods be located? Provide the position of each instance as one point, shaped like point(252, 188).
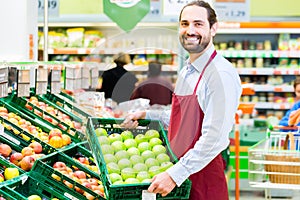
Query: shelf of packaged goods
point(73, 50)
point(136, 68)
point(268, 71)
point(273, 106)
point(260, 53)
point(272, 88)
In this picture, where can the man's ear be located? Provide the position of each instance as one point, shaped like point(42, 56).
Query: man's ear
point(213, 29)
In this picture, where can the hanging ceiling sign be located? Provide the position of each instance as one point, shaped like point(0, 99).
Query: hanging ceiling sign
point(232, 10)
point(126, 13)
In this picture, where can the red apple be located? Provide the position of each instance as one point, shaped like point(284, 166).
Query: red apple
point(93, 181)
point(54, 132)
point(3, 110)
point(83, 160)
point(61, 166)
point(36, 146)
point(48, 118)
point(27, 151)
point(5, 150)
point(27, 106)
point(27, 163)
point(15, 158)
point(79, 174)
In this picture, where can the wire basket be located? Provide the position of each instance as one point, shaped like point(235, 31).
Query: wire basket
point(276, 159)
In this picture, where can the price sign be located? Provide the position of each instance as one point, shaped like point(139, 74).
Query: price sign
point(232, 10)
point(53, 7)
point(155, 8)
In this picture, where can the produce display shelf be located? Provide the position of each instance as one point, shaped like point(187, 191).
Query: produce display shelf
point(132, 190)
point(43, 169)
point(38, 116)
point(25, 185)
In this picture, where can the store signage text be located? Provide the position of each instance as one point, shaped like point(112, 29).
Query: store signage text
point(53, 7)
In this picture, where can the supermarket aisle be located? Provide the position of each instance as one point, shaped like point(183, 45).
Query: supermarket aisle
point(260, 195)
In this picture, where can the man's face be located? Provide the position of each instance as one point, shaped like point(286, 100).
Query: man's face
point(194, 31)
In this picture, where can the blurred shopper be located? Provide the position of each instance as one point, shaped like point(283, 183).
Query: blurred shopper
point(156, 88)
point(291, 116)
point(117, 83)
point(204, 104)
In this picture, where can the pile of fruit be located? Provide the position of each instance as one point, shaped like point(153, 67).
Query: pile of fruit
point(55, 137)
point(58, 116)
point(133, 159)
point(24, 159)
point(80, 177)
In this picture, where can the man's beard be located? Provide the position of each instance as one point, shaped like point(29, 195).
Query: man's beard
point(194, 48)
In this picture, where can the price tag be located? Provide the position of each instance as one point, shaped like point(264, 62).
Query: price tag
point(234, 10)
point(148, 195)
point(155, 8)
point(53, 7)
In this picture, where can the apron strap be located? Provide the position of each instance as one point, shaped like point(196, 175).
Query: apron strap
point(213, 55)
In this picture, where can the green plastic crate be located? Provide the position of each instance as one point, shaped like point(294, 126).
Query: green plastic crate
point(67, 104)
point(17, 105)
point(25, 185)
point(43, 170)
point(130, 191)
point(5, 164)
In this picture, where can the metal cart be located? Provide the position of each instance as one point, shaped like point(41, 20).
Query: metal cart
point(274, 163)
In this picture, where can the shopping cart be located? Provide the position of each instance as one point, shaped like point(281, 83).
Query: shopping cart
point(274, 163)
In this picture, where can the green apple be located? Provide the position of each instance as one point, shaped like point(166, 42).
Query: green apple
point(115, 137)
point(140, 138)
point(130, 143)
point(108, 158)
point(133, 151)
point(118, 146)
point(163, 157)
point(107, 149)
point(150, 162)
point(152, 134)
point(140, 167)
point(143, 146)
point(124, 163)
point(100, 131)
point(128, 173)
point(147, 180)
point(158, 149)
point(143, 175)
point(115, 177)
point(119, 182)
point(155, 141)
point(131, 181)
point(147, 154)
point(136, 159)
point(127, 135)
point(122, 154)
point(103, 140)
point(154, 170)
point(165, 165)
point(113, 168)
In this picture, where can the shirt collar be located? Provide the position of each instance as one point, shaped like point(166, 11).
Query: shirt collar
point(202, 60)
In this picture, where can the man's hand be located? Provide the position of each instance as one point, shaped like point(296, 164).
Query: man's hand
point(162, 184)
point(130, 120)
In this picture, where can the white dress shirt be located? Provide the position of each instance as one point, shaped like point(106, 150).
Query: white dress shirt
point(218, 95)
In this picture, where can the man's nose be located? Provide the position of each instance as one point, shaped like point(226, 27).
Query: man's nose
point(191, 29)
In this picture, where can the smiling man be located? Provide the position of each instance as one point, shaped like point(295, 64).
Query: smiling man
point(204, 104)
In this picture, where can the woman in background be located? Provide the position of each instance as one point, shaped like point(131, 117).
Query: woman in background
point(118, 83)
point(288, 120)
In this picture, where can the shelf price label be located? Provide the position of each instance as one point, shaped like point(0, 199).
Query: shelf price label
point(53, 7)
point(232, 10)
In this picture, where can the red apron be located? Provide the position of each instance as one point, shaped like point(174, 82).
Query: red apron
point(187, 117)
